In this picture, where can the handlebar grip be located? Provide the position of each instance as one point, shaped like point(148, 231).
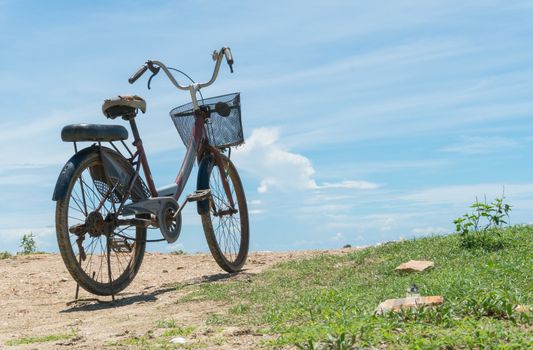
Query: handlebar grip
point(138, 74)
point(229, 58)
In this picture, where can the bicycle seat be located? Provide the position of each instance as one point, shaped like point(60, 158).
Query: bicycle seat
point(123, 106)
point(93, 132)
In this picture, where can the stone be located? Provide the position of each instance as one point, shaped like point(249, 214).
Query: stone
point(409, 302)
point(415, 266)
point(236, 331)
point(178, 340)
point(522, 308)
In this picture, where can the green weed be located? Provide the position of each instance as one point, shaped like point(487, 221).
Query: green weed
point(179, 331)
point(482, 228)
point(27, 243)
point(40, 339)
point(5, 255)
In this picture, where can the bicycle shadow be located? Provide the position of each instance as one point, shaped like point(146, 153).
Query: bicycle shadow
point(121, 300)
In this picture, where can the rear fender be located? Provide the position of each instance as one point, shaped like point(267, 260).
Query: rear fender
point(112, 168)
point(68, 171)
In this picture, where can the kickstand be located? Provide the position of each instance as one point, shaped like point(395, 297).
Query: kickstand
point(76, 296)
point(79, 259)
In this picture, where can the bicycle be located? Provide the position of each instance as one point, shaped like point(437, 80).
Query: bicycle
point(104, 206)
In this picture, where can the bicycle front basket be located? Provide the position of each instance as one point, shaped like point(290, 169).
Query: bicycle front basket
point(221, 131)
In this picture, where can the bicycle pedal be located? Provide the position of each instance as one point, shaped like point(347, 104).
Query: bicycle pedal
point(199, 195)
point(120, 245)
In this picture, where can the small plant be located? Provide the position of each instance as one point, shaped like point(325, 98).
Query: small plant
point(178, 252)
point(495, 304)
point(341, 342)
point(482, 228)
point(5, 255)
point(27, 243)
point(166, 323)
point(41, 339)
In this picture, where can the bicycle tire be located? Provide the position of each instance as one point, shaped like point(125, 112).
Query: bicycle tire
point(233, 227)
point(68, 210)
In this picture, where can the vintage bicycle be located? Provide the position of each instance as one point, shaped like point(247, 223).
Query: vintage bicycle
point(104, 206)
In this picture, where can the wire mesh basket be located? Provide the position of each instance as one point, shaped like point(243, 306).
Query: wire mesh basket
point(221, 131)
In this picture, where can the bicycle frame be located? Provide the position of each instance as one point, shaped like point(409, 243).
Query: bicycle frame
point(197, 147)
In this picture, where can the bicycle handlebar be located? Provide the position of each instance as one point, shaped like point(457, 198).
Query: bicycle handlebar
point(217, 56)
point(138, 74)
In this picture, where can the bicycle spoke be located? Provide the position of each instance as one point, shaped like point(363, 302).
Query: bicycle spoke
point(105, 262)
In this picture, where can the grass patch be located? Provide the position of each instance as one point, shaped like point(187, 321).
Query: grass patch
point(166, 323)
point(5, 255)
point(178, 252)
point(40, 339)
point(328, 302)
point(150, 342)
point(179, 331)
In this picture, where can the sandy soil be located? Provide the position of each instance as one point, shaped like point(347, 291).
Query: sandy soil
point(35, 291)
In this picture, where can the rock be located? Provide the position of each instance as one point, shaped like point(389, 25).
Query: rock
point(409, 302)
point(165, 271)
point(522, 308)
point(415, 266)
point(178, 340)
point(236, 331)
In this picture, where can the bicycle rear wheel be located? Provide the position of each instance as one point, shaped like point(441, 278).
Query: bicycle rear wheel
point(102, 263)
point(226, 228)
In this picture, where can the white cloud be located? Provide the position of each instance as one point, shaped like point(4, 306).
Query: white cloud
point(264, 157)
point(460, 194)
point(368, 223)
point(360, 185)
point(482, 145)
point(337, 236)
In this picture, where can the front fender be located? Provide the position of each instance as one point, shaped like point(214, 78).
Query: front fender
point(202, 182)
point(68, 170)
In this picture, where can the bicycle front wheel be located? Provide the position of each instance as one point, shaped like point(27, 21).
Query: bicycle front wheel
point(226, 227)
point(103, 263)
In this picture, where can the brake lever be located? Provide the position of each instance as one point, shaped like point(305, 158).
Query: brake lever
point(229, 58)
point(154, 71)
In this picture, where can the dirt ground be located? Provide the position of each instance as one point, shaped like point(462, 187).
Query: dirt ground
point(35, 291)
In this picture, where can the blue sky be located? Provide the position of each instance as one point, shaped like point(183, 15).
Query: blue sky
point(365, 121)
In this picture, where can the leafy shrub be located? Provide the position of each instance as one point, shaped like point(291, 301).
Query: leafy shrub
point(178, 252)
point(482, 228)
point(27, 243)
point(340, 342)
point(5, 255)
point(495, 304)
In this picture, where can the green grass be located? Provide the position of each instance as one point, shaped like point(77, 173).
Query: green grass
point(179, 331)
point(330, 300)
point(5, 255)
point(40, 339)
